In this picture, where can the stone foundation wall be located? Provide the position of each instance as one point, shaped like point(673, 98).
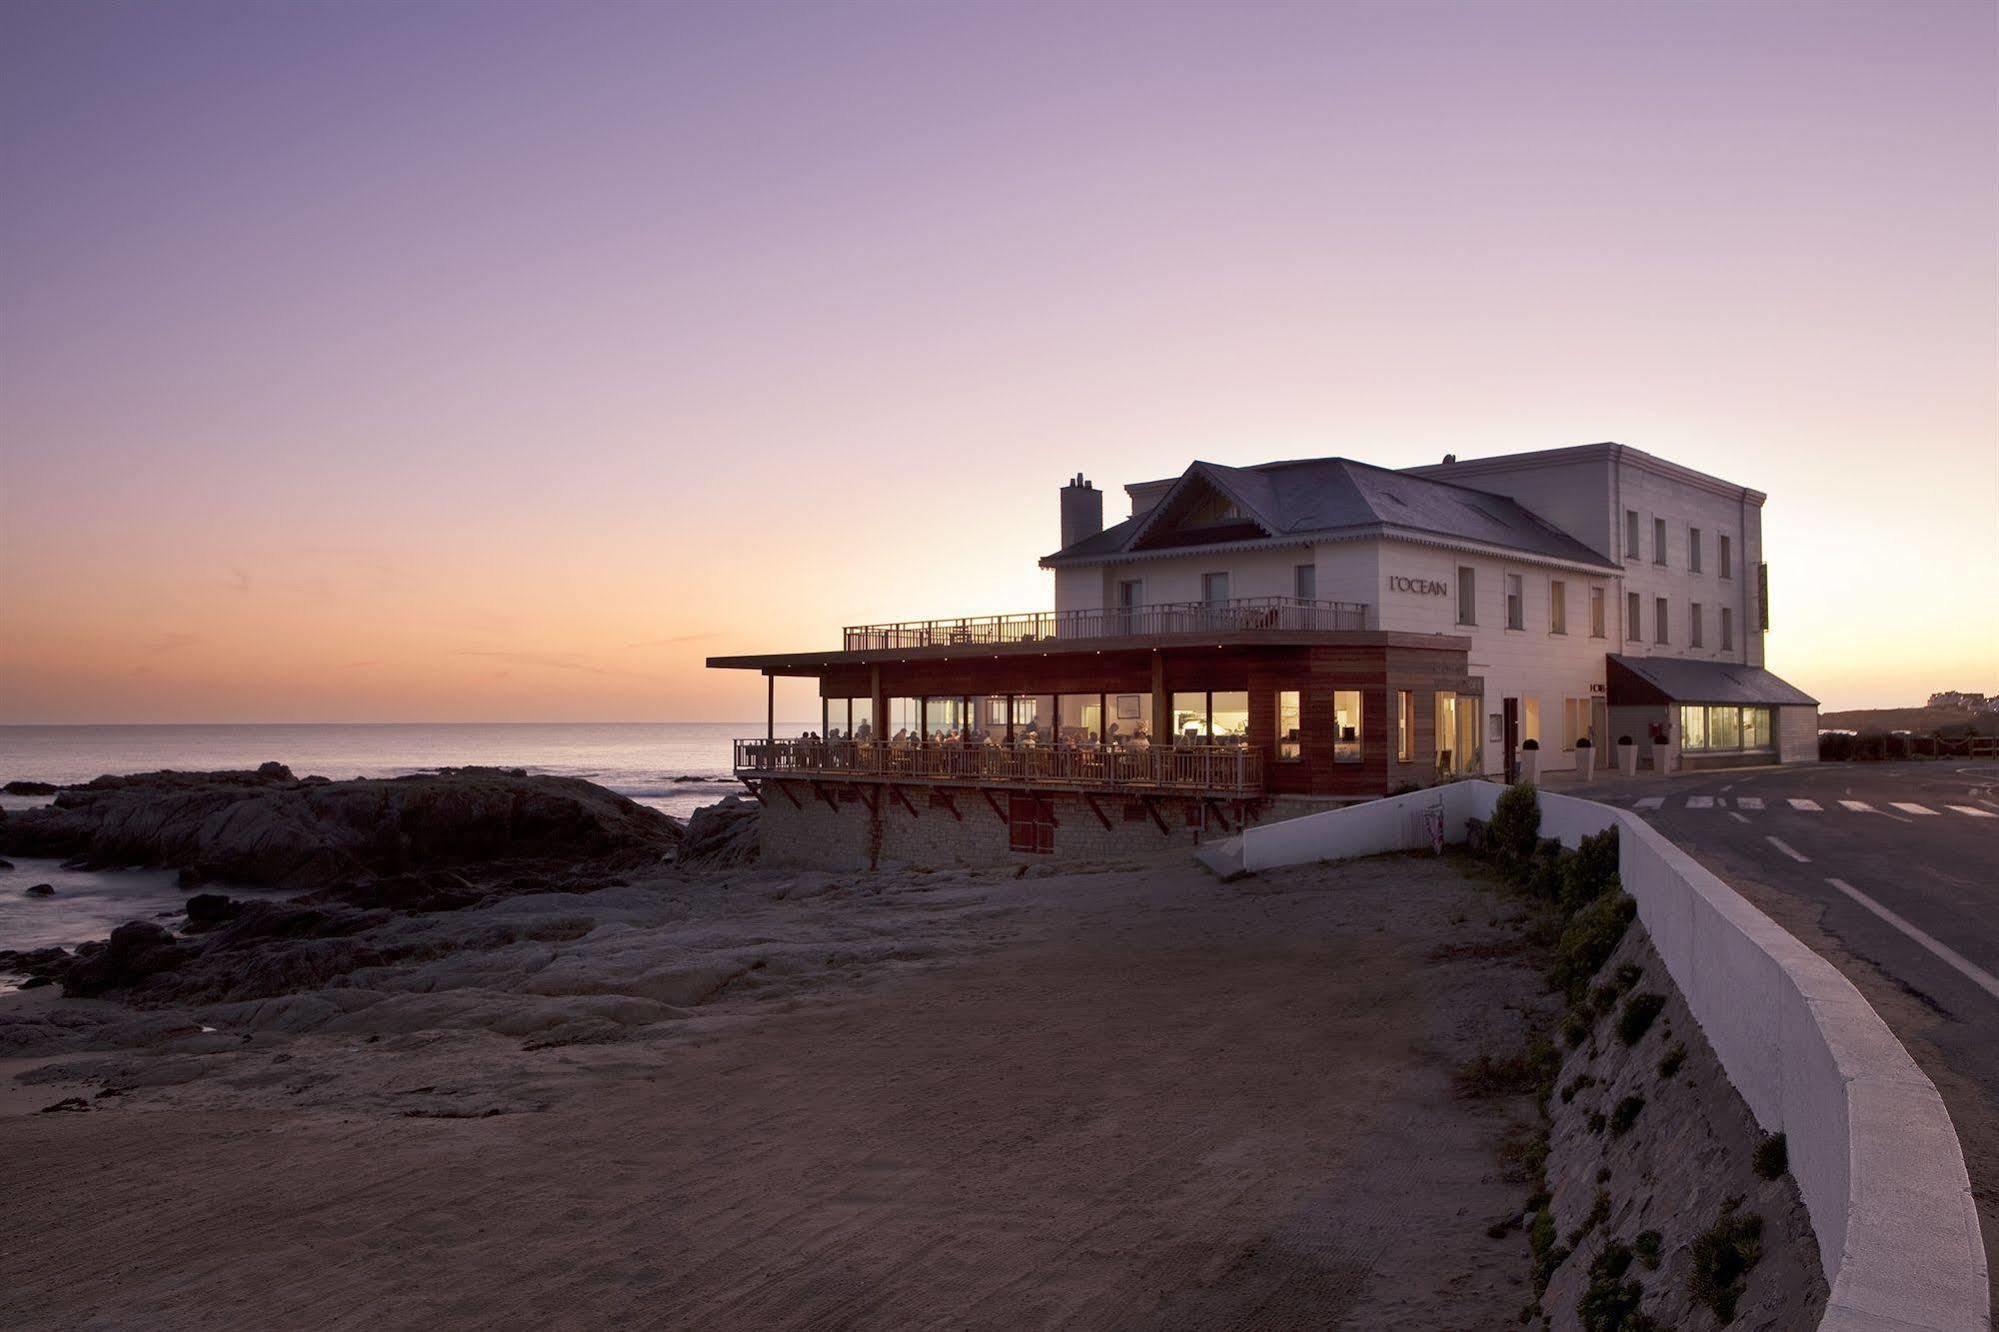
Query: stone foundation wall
point(848, 835)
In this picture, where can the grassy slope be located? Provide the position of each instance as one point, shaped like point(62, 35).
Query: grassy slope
point(1918, 721)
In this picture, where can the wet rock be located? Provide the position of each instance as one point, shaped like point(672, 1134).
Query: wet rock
point(40, 890)
point(66, 1105)
point(207, 910)
point(136, 950)
point(721, 834)
point(30, 788)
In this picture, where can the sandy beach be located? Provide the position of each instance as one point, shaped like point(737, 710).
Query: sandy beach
point(1133, 1097)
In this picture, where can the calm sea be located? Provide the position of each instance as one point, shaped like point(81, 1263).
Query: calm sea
point(640, 760)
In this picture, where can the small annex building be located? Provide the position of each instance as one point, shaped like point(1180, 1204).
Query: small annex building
point(1254, 642)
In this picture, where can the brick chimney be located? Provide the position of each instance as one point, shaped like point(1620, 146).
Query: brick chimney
point(1082, 511)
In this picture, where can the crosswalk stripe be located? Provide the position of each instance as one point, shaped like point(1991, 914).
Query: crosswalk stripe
point(1737, 817)
point(1651, 802)
point(1700, 802)
point(1790, 851)
point(1858, 806)
point(1973, 811)
point(1811, 806)
point(1749, 802)
point(1910, 809)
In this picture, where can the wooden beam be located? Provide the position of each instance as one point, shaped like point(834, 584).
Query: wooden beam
point(1221, 814)
point(789, 796)
point(1152, 808)
point(819, 789)
point(871, 797)
point(950, 803)
point(1097, 810)
point(770, 708)
point(998, 813)
point(756, 792)
point(902, 798)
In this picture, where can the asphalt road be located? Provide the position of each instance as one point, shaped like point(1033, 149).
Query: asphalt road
point(1920, 842)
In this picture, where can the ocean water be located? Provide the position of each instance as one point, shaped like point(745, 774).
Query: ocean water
point(639, 760)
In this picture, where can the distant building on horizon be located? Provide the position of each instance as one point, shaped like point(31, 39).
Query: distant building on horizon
point(1253, 642)
point(1957, 698)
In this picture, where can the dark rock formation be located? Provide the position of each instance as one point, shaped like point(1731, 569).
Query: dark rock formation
point(267, 827)
point(721, 834)
point(30, 788)
point(135, 950)
point(40, 890)
point(207, 910)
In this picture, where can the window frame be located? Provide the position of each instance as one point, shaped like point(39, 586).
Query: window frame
point(1599, 619)
point(1662, 622)
point(1693, 550)
point(1468, 595)
point(1208, 598)
point(1694, 618)
point(1516, 601)
point(1659, 541)
point(1295, 747)
point(1634, 607)
point(1631, 534)
point(1558, 606)
point(1405, 726)
point(1301, 575)
point(1724, 556)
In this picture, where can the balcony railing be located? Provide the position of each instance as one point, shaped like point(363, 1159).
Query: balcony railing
point(1179, 617)
point(1231, 770)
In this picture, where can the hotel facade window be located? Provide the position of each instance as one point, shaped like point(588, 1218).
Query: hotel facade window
point(1694, 618)
point(1516, 610)
point(1727, 629)
point(1631, 534)
point(1694, 549)
point(1575, 721)
point(1530, 720)
point(1346, 726)
point(1724, 562)
point(1289, 742)
point(1659, 621)
point(1214, 587)
point(1558, 606)
point(1633, 630)
point(1467, 594)
point(1405, 726)
point(1305, 582)
point(1596, 613)
point(1722, 728)
point(1658, 541)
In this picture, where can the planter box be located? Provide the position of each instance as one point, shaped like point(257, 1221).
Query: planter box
point(1530, 766)
point(1586, 762)
point(1627, 760)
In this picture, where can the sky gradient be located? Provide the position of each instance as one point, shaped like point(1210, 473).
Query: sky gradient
point(451, 361)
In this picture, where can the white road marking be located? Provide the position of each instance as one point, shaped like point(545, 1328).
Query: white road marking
point(1907, 808)
point(1737, 817)
point(1858, 806)
point(1651, 802)
point(1810, 805)
point(1956, 961)
point(1749, 802)
point(1729, 787)
point(1973, 812)
point(1700, 802)
point(1789, 850)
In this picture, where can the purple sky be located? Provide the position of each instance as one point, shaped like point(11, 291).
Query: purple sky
point(494, 361)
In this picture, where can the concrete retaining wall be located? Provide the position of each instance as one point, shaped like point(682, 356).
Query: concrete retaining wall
point(1871, 1145)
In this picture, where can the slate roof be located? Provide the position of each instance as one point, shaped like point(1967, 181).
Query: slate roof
point(1337, 496)
point(1713, 681)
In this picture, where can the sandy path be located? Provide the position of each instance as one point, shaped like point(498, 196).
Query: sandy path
point(1174, 1104)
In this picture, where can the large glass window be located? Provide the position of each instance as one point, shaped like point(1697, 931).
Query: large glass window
point(1693, 728)
point(1082, 719)
point(989, 714)
point(833, 719)
point(1190, 719)
point(1446, 710)
point(1405, 725)
point(1034, 719)
point(1530, 720)
point(862, 718)
point(1756, 728)
point(1346, 726)
point(1130, 719)
point(1289, 739)
point(1229, 717)
point(943, 719)
point(1724, 728)
point(905, 720)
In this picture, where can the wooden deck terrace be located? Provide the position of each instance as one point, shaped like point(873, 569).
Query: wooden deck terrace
point(1231, 772)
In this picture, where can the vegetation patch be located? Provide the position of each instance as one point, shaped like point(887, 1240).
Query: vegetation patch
point(1527, 1072)
point(1625, 1115)
point(1589, 940)
point(1636, 1019)
point(1646, 1247)
point(1670, 1063)
point(1610, 1303)
point(1580, 1082)
point(1773, 1157)
point(1724, 1255)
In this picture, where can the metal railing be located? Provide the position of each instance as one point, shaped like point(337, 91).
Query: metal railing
point(1235, 770)
point(1179, 617)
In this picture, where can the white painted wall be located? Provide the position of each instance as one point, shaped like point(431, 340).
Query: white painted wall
point(1870, 1142)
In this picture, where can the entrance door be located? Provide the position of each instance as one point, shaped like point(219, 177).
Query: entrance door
point(1130, 596)
point(1510, 708)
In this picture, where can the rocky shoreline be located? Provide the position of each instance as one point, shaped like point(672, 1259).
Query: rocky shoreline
point(358, 856)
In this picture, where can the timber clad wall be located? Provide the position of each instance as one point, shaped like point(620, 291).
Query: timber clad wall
point(848, 835)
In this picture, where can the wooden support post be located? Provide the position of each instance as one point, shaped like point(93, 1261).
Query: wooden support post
point(949, 803)
point(1162, 710)
point(880, 704)
point(770, 709)
point(1097, 810)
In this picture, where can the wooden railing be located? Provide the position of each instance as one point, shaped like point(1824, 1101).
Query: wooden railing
point(1180, 617)
point(1235, 770)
